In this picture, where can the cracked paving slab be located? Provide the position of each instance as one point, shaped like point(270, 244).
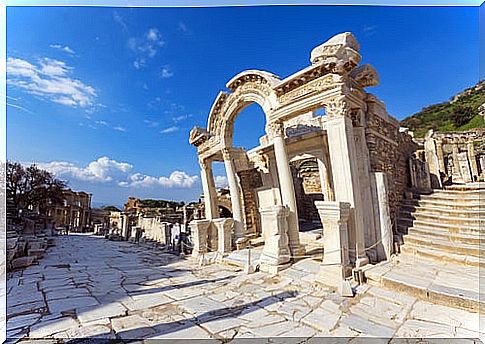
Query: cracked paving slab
point(89, 287)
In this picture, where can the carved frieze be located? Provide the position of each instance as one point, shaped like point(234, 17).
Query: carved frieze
point(323, 83)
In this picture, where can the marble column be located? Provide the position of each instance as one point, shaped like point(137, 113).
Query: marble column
point(125, 220)
point(237, 211)
point(472, 159)
point(210, 193)
point(335, 267)
point(345, 172)
point(456, 175)
point(386, 236)
point(441, 158)
point(287, 188)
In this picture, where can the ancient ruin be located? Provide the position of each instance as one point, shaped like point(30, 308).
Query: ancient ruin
point(358, 150)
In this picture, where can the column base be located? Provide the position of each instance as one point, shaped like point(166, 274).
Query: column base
point(333, 275)
point(273, 269)
point(362, 261)
point(297, 252)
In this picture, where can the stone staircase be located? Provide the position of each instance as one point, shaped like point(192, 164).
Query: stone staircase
point(440, 237)
point(444, 225)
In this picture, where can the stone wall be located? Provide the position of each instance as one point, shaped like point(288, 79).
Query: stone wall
point(389, 152)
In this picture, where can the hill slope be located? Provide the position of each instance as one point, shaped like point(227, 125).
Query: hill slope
point(464, 111)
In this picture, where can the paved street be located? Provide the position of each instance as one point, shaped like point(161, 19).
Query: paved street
point(87, 286)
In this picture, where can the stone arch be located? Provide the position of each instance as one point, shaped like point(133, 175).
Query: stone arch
point(248, 87)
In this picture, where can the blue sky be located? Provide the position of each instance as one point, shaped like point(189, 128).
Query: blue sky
point(105, 97)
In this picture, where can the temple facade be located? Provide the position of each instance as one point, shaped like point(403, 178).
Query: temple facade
point(331, 153)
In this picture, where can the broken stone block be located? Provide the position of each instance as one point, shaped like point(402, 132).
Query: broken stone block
point(39, 253)
point(23, 262)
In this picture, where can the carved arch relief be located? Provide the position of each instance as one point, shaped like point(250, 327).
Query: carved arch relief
point(247, 88)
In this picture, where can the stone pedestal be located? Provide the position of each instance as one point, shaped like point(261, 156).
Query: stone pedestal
point(276, 253)
point(335, 266)
point(223, 228)
point(199, 233)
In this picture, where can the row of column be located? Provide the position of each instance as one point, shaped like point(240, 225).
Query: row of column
point(345, 175)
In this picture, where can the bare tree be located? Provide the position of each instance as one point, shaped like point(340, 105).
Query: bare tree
point(32, 188)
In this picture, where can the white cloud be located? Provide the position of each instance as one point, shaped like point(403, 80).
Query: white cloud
point(105, 170)
point(182, 27)
point(106, 124)
point(169, 130)
point(51, 80)
point(150, 123)
point(166, 72)
point(101, 170)
point(176, 179)
point(119, 128)
point(65, 48)
point(146, 46)
point(180, 118)
point(221, 182)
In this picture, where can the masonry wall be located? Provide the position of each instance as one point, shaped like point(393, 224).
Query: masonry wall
point(389, 152)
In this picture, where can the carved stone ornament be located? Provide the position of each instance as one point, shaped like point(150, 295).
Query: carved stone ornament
point(198, 136)
point(337, 106)
point(226, 154)
point(275, 129)
point(341, 50)
point(365, 76)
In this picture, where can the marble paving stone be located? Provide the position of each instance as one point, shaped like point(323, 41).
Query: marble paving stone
point(25, 307)
point(132, 327)
point(22, 321)
point(66, 293)
point(183, 330)
point(60, 305)
point(321, 319)
point(87, 314)
point(45, 329)
point(137, 302)
point(446, 315)
point(92, 331)
point(367, 327)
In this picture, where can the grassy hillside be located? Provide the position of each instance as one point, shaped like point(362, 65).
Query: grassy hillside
point(459, 114)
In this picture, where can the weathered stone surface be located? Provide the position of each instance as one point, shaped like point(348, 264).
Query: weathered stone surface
point(92, 313)
point(22, 321)
point(60, 305)
point(132, 327)
point(48, 328)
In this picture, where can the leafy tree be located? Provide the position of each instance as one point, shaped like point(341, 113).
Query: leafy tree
point(462, 114)
point(32, 188)
point(110, 208)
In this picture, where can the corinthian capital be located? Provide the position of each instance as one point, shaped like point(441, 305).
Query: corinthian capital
point(337, 106)
point(275, 129)
point(226, 153)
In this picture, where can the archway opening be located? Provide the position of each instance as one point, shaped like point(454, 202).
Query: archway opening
point(249, 127)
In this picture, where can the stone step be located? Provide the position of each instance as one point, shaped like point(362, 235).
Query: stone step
point(442, 244)
point(440, 255)
point(463, 196)
point(456, 204)
point(466, 238)
point(451, 212)
point(441, 219)
point(438, 283)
